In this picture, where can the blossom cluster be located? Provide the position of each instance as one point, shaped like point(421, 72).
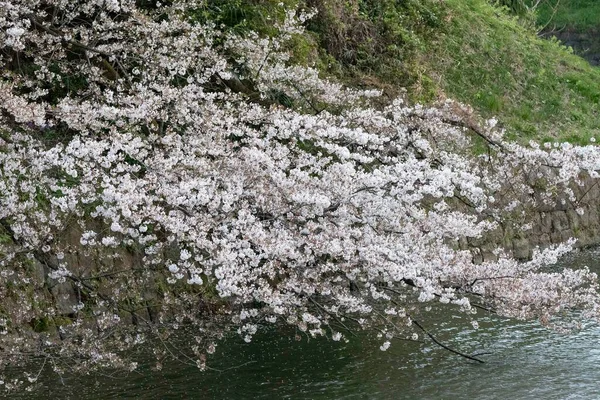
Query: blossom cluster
point(154, 143)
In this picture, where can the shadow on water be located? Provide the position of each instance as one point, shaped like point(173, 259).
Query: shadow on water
point(585, 43)
point(523, 361)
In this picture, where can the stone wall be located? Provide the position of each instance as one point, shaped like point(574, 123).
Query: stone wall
point(549, 225)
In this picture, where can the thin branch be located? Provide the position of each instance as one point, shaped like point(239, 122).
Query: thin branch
point(587, 191)
point(230, 368)
point(444, 346)
point(409, 282)
point(75, 43)
point(554, 11)
point(332, 315)
point(80, 45)
point(310, 103)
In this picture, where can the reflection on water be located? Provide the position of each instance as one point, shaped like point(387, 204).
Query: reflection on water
point(523, 361)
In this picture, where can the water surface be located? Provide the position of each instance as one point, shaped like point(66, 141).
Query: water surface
point(522, 361)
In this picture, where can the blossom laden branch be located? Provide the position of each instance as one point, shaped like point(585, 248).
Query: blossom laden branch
point(186, 196)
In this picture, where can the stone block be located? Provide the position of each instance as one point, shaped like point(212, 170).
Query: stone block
point(522, 249)
point(574, 220)
point(494, 237)
point(38, 273)
point(537, 224)
point(487, 252)
point(585, 218)
point(585, 240)
point(567, 234)
point(555, 238)
point(544, 240)
point(65, 298)
point(593, 215)
point(560, 221)
point(488, 256)
point(546, 222)
point(477, 257)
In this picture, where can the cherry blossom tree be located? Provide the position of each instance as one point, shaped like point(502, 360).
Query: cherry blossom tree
point(201, 171)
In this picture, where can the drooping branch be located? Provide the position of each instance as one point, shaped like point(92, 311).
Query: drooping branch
point(85, 47)
point(335, 317)
point(430, 336)
point(410, 282)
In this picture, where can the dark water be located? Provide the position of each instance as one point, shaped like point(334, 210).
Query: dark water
point(523, 361)
point(585, 44)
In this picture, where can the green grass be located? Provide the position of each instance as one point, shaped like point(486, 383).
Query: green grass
point(479, 54)
point(537, 87)
point(577, 14)
point(469, 50)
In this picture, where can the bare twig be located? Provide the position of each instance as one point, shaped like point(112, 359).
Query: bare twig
point(426, 332)
point(332, 315)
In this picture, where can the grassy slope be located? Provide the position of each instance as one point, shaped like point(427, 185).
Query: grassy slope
point(468, 50)
point(578, 14)
point(538, 88)
point(482, 56)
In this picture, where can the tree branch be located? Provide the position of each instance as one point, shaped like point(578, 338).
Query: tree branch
point(443, 345)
